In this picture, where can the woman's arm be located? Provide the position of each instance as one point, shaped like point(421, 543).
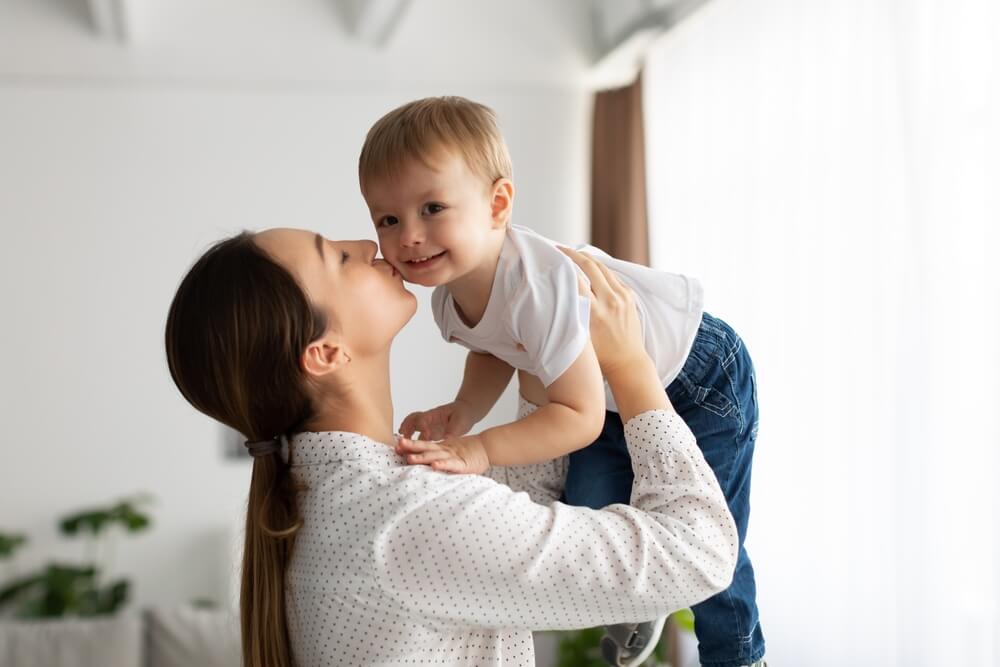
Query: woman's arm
point(479, 554)
point(475, 553)
point(616, 334)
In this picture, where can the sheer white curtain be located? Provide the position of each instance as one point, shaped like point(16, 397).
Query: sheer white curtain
point(831, 171)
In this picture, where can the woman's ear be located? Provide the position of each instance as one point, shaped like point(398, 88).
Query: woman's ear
point(324, 356)
point(501, 201)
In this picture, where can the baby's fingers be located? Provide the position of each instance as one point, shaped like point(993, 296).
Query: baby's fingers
point(429, 457)
point(408, 446)
point(451, 464)
point(432, 431)
point(411, 424)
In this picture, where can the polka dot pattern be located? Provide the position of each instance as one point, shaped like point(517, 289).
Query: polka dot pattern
point(401, 565)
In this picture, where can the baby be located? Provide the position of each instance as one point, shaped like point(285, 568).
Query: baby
point(436, 176)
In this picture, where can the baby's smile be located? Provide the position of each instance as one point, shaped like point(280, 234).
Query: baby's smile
point(426, 261)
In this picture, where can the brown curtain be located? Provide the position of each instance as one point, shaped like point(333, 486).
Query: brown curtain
point(618, 222)
point(618, 219)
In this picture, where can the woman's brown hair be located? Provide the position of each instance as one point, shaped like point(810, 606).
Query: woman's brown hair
point(236, 331)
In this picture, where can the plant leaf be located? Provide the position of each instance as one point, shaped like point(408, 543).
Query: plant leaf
point(10, 543)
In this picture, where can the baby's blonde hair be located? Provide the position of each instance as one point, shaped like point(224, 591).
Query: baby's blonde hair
point(419, 128)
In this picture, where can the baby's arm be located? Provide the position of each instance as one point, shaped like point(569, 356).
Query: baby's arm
point(571, 420)
point(484, 381)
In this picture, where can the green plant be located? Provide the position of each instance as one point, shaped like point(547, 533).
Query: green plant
point(581, 648)
point(69, 589)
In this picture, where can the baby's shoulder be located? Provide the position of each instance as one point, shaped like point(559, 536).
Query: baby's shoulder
point(537, 253)
point(541, 266)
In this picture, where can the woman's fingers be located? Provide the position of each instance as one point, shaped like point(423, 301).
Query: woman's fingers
point(591, 269)
point(615, 330)
point(611, 280)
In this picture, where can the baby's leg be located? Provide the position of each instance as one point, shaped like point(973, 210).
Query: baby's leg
point(600, 474)
point(716, 394)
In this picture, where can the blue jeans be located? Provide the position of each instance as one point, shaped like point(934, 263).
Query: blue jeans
point(716, 394)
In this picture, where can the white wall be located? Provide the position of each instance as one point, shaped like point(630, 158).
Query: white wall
point(830, 171)
point(119, 165)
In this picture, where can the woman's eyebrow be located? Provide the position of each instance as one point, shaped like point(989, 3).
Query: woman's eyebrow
point(319, 248)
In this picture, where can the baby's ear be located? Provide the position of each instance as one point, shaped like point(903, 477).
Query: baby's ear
point(502, 201)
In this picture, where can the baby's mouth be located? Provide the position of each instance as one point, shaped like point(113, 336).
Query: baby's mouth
point(426, 261)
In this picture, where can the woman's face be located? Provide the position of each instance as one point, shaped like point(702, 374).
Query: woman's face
point(363, 297)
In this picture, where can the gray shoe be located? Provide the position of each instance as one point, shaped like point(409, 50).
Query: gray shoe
point(629, 644)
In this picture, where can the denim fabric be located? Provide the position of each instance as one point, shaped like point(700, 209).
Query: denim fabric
point(716, 394)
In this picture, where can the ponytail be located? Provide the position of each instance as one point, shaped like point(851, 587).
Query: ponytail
point(236, 331)
point(272, 522)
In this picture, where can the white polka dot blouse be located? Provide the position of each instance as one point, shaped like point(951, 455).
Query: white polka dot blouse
point(401, 565)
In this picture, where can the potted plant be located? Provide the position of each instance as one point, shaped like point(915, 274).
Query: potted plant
point(61, 589)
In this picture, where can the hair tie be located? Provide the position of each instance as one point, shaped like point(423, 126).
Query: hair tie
point(264, 447)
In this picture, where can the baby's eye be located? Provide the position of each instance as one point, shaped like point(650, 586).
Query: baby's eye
point(432, 208)
point(388, 221)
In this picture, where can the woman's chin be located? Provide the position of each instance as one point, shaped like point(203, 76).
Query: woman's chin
point(408, 313)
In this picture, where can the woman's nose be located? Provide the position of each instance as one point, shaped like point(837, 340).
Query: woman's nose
point(370, 250)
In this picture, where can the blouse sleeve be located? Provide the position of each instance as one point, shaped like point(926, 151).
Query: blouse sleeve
point(479, 554)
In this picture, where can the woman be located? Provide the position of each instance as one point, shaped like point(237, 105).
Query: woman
point(284, 336)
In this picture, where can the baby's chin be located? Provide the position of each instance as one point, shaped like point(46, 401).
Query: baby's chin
point(425, 281)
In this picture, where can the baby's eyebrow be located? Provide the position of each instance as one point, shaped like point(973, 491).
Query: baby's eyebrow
point(377, 210)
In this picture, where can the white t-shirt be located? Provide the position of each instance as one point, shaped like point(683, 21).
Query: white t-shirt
point(537, 321)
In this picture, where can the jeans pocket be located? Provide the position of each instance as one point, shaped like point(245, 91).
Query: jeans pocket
point(714, 401)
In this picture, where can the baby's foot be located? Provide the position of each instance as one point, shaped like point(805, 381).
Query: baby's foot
point(629, 644)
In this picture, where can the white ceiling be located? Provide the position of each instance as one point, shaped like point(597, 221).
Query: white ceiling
point(568, 42)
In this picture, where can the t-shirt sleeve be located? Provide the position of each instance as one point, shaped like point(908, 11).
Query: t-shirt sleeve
point(438, 298)
point(551, 320)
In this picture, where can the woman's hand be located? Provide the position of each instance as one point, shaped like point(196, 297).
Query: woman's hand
point(616, 334)
point(615, 329)
point(457, 455)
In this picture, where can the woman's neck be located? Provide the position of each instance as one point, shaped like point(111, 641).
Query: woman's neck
point(360, 403)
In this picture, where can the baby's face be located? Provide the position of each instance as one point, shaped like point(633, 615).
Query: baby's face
point(434, 221)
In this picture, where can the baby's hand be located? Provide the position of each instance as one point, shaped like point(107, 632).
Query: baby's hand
point(458, 455)
point(450, 420)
